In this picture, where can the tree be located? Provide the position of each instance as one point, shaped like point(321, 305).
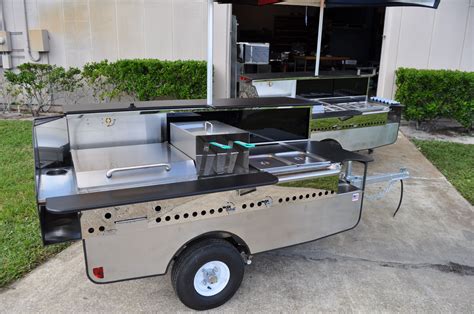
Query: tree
point(40, 83)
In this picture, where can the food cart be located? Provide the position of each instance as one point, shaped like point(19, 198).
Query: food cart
point(192, 186)
point(342, 109)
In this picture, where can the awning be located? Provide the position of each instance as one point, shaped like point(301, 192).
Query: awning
point(341, 3)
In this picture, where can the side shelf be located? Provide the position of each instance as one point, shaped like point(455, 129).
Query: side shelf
point(87, 201)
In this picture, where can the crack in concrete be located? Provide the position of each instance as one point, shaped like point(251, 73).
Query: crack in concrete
point(450, 267)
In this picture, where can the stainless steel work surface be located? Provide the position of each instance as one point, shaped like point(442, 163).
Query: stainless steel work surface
point(299, 158)
point(292, 162)
point(263, 162)
point(128, 166)
point(56, 182)
point(204, 128)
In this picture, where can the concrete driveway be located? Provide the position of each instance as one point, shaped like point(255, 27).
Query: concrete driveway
point(422, 260)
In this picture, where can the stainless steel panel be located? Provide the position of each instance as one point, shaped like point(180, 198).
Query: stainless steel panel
point(190, 137)
point(52, 134)
point(114, 129)
point(299, 158)
point(51, 141)
point(361, 138)
point(56, 182)
point(195, 138)
point(91, 166)
point(263, 162)
point(269, 225)
point(290, 162)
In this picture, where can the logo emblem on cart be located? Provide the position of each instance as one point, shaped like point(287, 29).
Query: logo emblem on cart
point(355, 197)
point(108, 121)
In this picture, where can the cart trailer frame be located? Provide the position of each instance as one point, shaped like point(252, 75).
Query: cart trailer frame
point(283, 189)
point(116, 177)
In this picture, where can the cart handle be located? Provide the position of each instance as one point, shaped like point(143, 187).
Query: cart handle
point(209, 125)
point(243, 144)
point(221, 145)
point(110, 172)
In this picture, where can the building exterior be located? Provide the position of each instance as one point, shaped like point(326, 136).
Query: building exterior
point(81, 31)
point(427, 39)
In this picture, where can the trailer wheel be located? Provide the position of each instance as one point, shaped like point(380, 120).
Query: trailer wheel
point(207, 274)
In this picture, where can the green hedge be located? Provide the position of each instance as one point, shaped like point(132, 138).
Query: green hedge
point(433, 94)
point(148, 79)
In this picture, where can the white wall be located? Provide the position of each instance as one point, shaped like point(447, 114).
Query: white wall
point(92, 30)
point(427, 39)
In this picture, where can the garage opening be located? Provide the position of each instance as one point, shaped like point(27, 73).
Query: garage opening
point(282, 40)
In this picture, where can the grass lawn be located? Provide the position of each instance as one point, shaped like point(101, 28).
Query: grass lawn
point(20, 241)
point(455, 161)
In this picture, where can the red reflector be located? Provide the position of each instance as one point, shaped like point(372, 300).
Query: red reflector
point(98, 272)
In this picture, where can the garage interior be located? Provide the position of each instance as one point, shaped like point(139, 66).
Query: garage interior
point(351, 38)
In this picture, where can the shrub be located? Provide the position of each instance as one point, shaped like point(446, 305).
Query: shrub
point(96, 78)
point(433, 94)
point(39, 83)
point(147, 79)
point(9, 93)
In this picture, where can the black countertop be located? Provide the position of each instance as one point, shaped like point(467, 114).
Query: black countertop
point(136, 106)
point(323, 75)
point(191, 104)
point(87, 201)
point(261, 102)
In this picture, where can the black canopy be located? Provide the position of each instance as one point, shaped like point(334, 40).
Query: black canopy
point(342, 3)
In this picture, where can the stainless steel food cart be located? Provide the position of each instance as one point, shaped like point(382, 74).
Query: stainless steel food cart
point(196, 185)
point(156, 183)
point(343, 111)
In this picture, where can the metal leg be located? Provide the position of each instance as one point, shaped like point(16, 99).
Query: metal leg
point(349, 170)
point(210, 46)
point(320, 36)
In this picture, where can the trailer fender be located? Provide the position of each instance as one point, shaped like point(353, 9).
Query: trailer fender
point(233, 239)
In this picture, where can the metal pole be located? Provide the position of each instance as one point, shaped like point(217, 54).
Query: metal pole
point(210, 46)
point(3, 26)
point(320, 35)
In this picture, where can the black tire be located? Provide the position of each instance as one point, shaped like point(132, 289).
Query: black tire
point(192, 259)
